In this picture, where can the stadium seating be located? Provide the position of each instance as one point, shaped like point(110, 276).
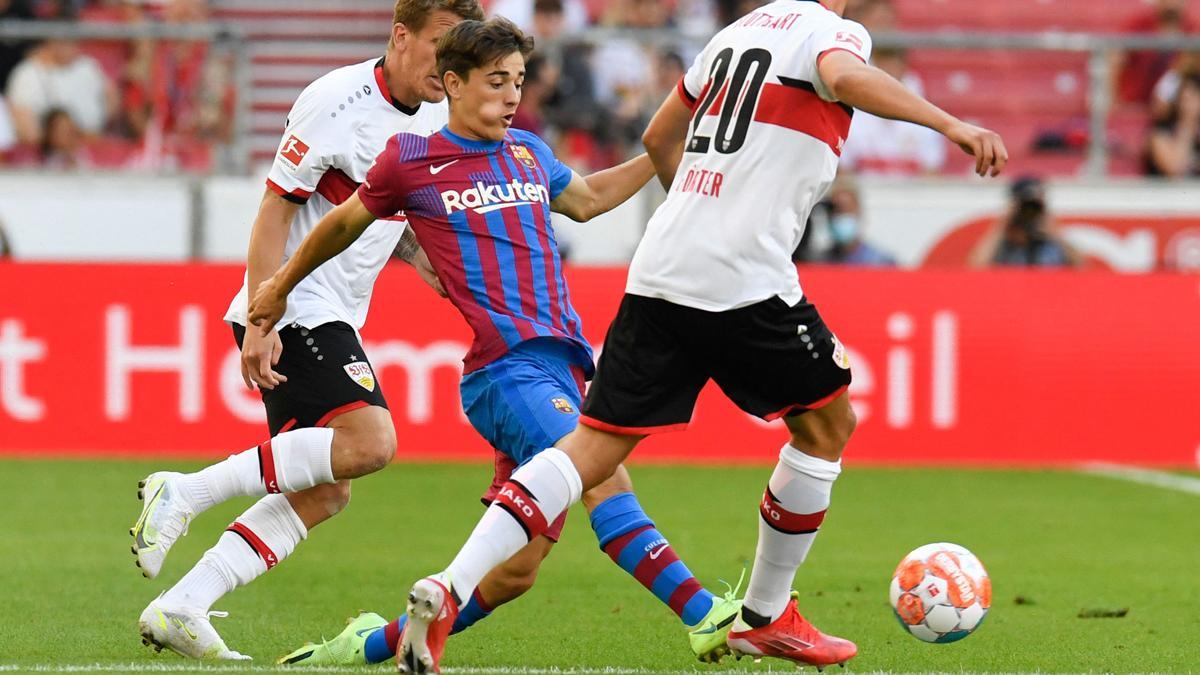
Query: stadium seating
point(293, 42)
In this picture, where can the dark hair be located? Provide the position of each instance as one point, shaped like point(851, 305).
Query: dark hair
point(414, 14)
point(472, 44)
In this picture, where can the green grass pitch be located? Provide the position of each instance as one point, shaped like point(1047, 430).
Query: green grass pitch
point(1055, 543)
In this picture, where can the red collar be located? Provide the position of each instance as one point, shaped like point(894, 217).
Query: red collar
point(381, 85)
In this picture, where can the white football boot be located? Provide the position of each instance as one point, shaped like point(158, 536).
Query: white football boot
point(187, 632)
point(164, 519)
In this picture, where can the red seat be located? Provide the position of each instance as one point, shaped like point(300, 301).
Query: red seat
point(1017, 15)
point(1012, 82)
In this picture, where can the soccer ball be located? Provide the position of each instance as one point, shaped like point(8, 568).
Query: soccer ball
point(941, 593)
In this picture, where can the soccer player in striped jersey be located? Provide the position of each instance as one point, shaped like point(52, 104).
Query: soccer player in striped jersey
point(479, 195)
point(746, 145)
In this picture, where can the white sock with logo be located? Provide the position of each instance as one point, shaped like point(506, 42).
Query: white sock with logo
point(790, 515)
point(552, 482)
point(258, 540)
point(292, 461)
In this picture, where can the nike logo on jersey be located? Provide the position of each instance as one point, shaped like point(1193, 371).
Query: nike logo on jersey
point(435, 170)
point(657, 552)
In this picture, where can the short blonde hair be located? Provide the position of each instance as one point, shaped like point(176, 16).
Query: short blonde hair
point(414, 14)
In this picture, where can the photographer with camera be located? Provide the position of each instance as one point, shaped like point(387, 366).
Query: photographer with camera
point(1026, 236)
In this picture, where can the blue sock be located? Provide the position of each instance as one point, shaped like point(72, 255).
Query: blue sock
point(628, 536)
point(381, 645)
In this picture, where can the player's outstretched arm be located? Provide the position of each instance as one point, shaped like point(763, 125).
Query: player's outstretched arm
point(665, 136)
point(268, 237)
point(332, 235)
point(870, 89)
point(586, 198)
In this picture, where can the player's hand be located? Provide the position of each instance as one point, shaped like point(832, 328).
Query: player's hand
point(421, 264)
point(267, 307)
point(259, 355)
point(984, 145)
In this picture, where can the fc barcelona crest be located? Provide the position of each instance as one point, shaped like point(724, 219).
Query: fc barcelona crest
point(562, 405)
point(522, 153)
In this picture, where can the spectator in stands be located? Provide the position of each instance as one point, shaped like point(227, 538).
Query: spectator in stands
point(877, 16)
point(522, 12)
point(1026, 236)
point(12, 51)
point(624, 68)
point(1185, 65)
point(845, 229)
point(8, 135)
point(1174, 147)
point(1137, 72)
point(883, 147)
point(535, 91)
point(62, 145)
point(176, 86)
point(6, 250)
point(570, 111)
point(57, 75)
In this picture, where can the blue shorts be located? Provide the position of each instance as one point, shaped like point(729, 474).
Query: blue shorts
point(526, 400)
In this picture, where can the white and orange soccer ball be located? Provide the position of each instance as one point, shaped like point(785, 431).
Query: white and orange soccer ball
point(941, 592)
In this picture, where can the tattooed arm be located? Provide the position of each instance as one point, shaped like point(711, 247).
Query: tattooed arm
point(409, 250)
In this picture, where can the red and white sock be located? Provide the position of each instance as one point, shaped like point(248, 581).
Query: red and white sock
point(791, 512)
point(534, 497)
point(258, 540)
point(292, 461)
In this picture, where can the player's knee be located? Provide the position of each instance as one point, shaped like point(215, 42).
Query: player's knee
point(844, 426)
point(370, 448)
point(332, 497)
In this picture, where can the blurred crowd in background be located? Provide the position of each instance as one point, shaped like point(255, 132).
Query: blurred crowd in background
point(170, 104)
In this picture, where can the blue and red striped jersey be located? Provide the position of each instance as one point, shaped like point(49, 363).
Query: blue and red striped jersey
point(481, 211)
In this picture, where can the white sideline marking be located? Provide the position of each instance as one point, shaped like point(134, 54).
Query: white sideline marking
point(1160, 479)
point(191, 667)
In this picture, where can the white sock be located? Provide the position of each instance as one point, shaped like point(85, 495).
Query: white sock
point(791, 511)
point(292, 461)
point(513, 519)
point(258, 540)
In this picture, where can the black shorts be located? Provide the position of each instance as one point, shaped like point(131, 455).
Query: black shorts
point(328, 374)
point(770, 359)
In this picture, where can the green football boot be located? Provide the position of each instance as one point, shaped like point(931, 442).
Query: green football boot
point(708, 637)
point(344, 650)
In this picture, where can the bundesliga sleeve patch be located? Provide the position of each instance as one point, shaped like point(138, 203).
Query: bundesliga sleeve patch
point(293, 151)
point(850, 39)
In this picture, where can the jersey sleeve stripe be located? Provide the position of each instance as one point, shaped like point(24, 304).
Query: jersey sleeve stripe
point(296, 196)
point(800, 109)
point(336, 186)
point(688, 99)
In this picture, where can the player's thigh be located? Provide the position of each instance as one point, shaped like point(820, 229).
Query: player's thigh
point(649, 373)
point(778, 360)
point(522, 404)
point(328, 375)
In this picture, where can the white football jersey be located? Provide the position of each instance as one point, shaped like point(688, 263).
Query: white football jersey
point(761, 151)
point(336, 128)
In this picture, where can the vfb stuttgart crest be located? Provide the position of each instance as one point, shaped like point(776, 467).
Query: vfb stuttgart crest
point(361, 374)
point(562, 405)
point(522, 153)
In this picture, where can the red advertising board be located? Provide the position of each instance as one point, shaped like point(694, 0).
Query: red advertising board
point(1004, 367)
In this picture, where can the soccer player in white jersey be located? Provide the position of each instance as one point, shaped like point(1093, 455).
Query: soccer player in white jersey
point(328, 419)
point(746, 146)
